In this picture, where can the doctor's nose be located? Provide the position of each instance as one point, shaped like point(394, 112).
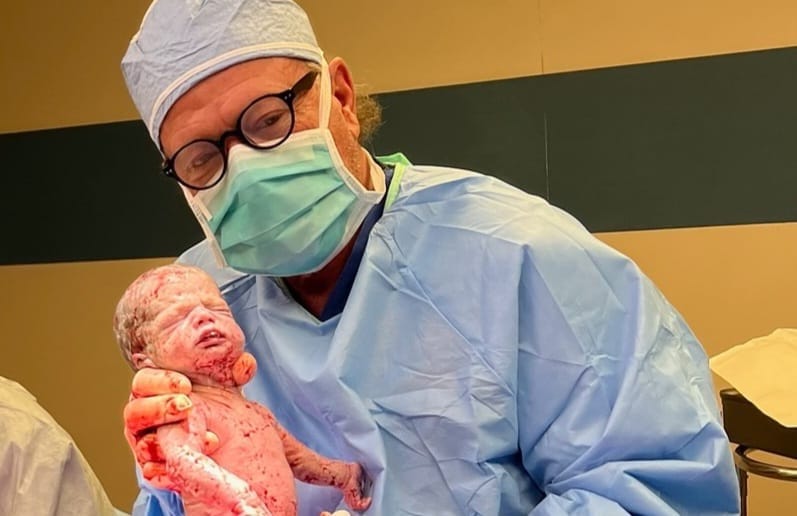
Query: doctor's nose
point(229, 140)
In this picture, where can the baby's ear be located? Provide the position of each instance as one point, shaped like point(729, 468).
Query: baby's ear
point(140, 361)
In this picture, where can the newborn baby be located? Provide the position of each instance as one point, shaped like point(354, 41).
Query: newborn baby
point(174, 317)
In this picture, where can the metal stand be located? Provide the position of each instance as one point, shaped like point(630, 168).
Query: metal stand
point(746, 464)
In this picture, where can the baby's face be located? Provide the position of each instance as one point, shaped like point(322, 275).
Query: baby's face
point(192, 329)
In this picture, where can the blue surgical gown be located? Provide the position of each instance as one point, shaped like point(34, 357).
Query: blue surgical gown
point(492, 358)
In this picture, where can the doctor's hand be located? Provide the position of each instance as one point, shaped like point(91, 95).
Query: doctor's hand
point(157, 397)
point(160, 397)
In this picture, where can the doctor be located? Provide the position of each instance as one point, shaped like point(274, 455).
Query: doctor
point(474, 347)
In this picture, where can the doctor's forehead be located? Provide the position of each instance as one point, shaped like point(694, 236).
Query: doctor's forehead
point(235, 86)
point(214, 104)
point(268, 71)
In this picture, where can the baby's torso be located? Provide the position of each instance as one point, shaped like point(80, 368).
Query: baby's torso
point(250, 447)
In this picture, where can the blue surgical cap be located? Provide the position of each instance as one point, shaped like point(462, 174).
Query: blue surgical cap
point(181, 42)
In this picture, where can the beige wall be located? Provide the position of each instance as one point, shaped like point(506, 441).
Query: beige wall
point(732, 283)
point(59, 64)
point(60, 60)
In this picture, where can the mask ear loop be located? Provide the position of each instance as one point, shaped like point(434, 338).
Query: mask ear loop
point(325, 98)
point(325, 109)
point(202, 216)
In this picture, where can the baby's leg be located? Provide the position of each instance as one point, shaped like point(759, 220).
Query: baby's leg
point(198, 478)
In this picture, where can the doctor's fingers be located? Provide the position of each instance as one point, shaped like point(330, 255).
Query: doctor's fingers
point(148, 450)
point(244, 368)
point(143, 413)
point(150, 382)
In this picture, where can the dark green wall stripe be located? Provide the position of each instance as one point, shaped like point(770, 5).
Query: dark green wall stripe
point(699, 142)
point(89, 193)
point(696, 142)
point(496, 128)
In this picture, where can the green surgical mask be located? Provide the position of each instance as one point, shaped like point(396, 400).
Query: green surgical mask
point(285, 211)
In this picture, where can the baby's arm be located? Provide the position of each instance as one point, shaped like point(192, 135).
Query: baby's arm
point(310, 467)
point(200, 480)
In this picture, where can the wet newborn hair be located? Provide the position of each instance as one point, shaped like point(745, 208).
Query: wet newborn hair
point(134, 309)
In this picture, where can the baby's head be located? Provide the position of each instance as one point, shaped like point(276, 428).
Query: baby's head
point(174, 317)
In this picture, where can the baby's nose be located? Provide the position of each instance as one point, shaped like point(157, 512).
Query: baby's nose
point(202, 316)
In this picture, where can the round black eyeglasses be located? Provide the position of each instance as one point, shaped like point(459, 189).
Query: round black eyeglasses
point(264, 124)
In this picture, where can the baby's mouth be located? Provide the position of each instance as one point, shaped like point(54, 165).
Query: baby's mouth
point(210, 338)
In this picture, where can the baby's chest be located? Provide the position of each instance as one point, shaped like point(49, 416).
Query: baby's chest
point(243, 431)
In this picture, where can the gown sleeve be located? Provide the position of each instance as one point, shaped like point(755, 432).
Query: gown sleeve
point(616, 409)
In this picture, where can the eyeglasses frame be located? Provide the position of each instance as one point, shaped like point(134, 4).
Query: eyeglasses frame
point(288, 96)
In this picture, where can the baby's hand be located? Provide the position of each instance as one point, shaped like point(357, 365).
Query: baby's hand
point(336, 513)
point(356, 492)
